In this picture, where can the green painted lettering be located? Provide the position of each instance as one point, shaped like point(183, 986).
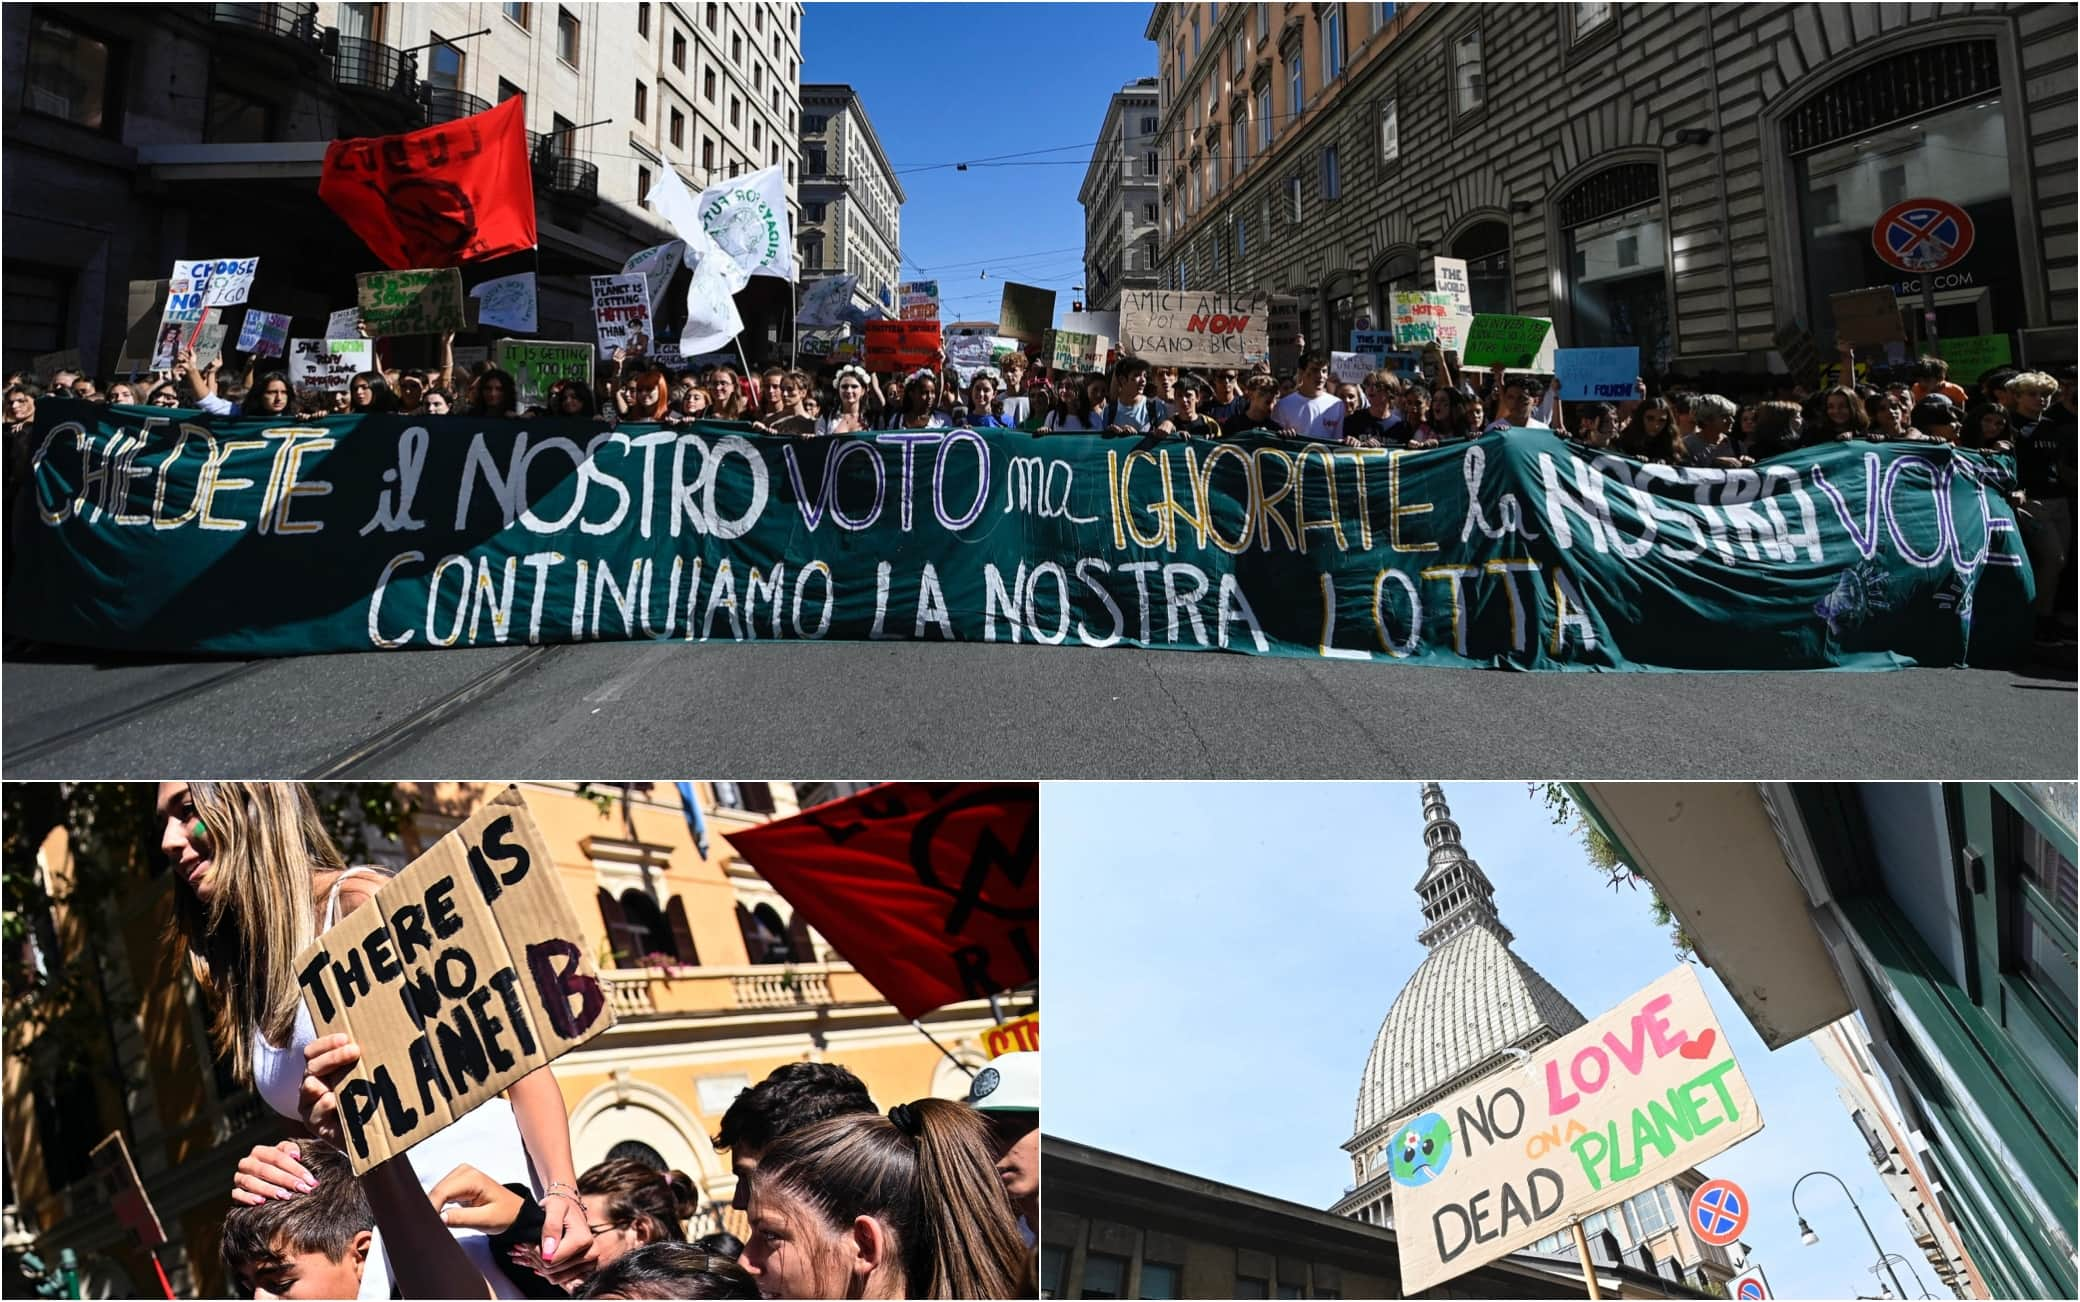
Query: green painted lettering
point(1590, 1148)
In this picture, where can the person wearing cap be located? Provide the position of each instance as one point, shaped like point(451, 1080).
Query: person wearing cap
point(1007, 1091)
point(1512, 397)
point(1936, 416)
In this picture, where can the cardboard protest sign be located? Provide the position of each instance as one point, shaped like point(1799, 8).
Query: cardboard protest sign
point(508, 302)
point(967, 354)
point(1448, 275)
point(142, 318)
point(656, 265)
point(621, 314)
point(917, 300)
point(932, 892)
point(1417, 315)
point(1867, 316)
point(464, 973)
point(468, 355)
point(1648, 1089)
point(418, 302)
point(1027, 312)
point(118, 1189)
point(1971, 356)
point(204, 338)
point(328, 364)
point(344, 324)
point(1597, 374)
point(1074, 350)
point(209, 282)
point(263, 334)
point(537, 364)
point(1172, 328)
point(823, 303)
point(1353, 368)
point(1801, 355)
point(1019, 1035)
point(1090, 323)
point(1372, 341)
point(1499, 340)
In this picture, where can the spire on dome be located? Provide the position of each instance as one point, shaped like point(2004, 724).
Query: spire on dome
point(1456, 894)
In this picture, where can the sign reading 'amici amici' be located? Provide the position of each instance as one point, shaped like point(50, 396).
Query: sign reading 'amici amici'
point(146, 529)
point(1645, 1091)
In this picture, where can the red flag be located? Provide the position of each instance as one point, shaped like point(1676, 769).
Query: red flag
point(454, 193)
point(931, 890)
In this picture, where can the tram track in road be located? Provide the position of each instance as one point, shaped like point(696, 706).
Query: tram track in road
point(432, 715)
point(57, 741)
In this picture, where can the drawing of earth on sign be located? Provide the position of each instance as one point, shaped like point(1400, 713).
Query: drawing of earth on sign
point(743, 226)
point(1420, 1150)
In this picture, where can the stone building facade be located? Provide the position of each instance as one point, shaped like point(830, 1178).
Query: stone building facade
point(1119, 198)
point(852, 203)
point(1687, 177)
point(138, 134)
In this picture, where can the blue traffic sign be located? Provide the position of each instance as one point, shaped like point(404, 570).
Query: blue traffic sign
point(1922, 235)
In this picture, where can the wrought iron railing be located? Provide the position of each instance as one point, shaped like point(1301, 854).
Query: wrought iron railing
point(575, 178)
point(293, 22)
point(446, 104)
point(1908, 85)
point(372, 65)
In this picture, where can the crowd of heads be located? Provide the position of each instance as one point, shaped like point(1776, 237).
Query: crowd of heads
point(931, 1199)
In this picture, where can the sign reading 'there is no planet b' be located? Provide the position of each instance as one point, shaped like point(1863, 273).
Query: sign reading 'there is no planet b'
point(464, 973)
point(1645, 1091)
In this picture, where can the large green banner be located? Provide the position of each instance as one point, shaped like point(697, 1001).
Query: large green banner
point(168, 531)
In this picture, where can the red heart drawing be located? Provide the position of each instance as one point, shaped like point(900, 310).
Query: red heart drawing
point(1699, 1048)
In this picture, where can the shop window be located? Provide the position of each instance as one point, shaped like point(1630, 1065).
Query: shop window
point(1855, 154)
point(69, 75)
point(1485, 248)
point(1615, 235)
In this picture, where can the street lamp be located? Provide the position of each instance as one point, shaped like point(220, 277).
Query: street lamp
point(1807, 1236)
point(1891, 1257)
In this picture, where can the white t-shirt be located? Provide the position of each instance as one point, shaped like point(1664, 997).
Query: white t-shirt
point(1319, 417)
point(1145, 414)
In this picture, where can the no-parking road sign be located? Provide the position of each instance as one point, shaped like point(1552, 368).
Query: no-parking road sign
point(1750, 1286)
point(1718, 1212)
point(1923, 235)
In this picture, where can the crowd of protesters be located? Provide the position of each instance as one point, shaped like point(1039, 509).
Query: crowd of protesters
point(1727, 420)
point(933, 1198)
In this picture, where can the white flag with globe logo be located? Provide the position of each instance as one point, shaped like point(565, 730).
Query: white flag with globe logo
point(712, 319)
point(747, 216)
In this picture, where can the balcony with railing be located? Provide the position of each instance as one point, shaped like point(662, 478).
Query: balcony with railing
point(362, 64)
point(446, 104)
point(568, 179)
point(690, 991)
point(294, 23)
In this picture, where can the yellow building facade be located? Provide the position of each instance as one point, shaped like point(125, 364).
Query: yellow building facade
point(713, 982)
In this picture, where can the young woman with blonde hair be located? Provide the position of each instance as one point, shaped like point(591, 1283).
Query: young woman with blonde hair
point(257, 879)
point(865, 1206)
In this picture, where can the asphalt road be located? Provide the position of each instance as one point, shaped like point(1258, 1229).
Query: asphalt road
point(843, 711)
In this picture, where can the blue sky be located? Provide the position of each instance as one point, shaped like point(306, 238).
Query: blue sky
point(949, 83)
point(1220, 957)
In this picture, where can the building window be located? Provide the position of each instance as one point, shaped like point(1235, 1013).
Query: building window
point(1332, 42)
point(1213, 171)
point(1591, 17)
point(566, 37)
point(711, 18)
point(758, 76)
point(1296, 92)
point(1148, 126)
point(773, 154)
point(1239, 117)
point(1263, 21)
point(1264, 120)
point(1148, 164)
point(520, 15)
point(1249, 1286)
point(1195, 37)
point(68, 75)
point(1159, 1280)
point(1382, 14)
point(1293, 198)
point(1485, 248)
point(1927, 121)
point(643, 21)
point(1389, 130)
point(1241, 236)
point(816, 162)
point(1469, 85)
point(1332, 183)
point(736, 111)
point(443, 64)
point(708, 85)
point(562, 133)
point(707, 154)
point(678, 135)
point(642, 186)
point(1104, 1275)
point(814, 211)
point(679, 50)
point(758, 18)
point(1148, 212)
point(643, 103)
point(506, 90)
point(758, 134)
point(736, 50)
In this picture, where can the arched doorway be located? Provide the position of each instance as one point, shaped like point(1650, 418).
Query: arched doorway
point(1614, 268)
point(1392, 274)
point(1484, 247)
point(1341, 307)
